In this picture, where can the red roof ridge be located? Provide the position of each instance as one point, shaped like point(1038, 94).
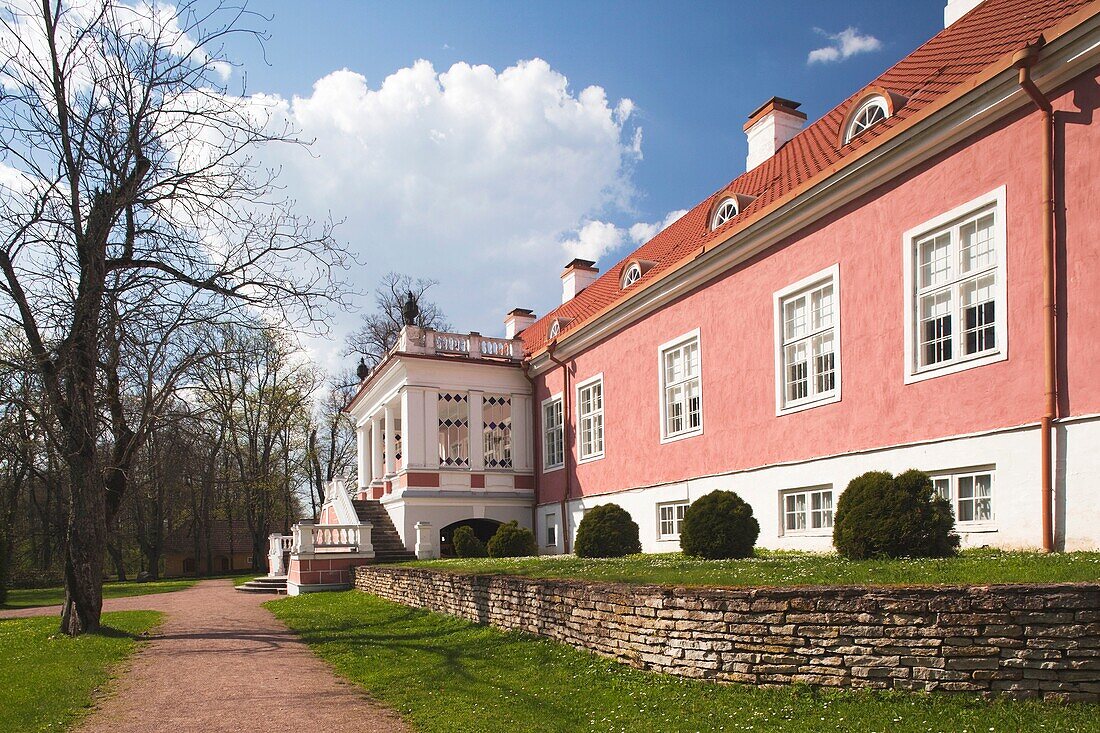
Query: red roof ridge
point(932, 75)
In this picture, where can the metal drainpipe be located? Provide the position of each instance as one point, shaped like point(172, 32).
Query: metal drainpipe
point(566, 448)
point(537, 444)
point(1024, 59)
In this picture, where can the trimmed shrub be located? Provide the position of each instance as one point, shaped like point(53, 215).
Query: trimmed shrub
point(607, 531)
point(467, 544)
point(512, 540)
point(880, 515)
point(718, 526)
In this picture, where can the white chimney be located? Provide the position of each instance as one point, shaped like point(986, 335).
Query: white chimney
point(958, 8)
point(577, 276)
point(769, 127)
point(517, 320)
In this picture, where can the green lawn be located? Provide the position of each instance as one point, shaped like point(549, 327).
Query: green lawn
point(48, 679)
point(784, 569)
point(26, 598)
point(444, 674)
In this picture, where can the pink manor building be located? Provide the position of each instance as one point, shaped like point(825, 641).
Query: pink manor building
point(911, 281)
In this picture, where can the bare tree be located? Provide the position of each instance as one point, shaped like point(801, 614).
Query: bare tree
point(380, 329)
point(128, 161)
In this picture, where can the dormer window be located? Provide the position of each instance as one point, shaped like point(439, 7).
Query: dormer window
point(873, 111)
point(631, 275)
point(726, 210)
point(555, 329)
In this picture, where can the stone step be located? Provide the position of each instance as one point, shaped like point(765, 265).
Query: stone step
point(271, 586)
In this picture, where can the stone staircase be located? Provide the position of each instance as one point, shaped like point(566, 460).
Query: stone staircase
point(273, 586)
point(387, 543)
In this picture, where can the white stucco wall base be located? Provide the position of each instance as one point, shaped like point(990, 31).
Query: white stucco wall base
point(1013, 454)
point(440, 511)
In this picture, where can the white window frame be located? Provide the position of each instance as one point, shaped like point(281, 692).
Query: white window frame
point(632, 274)
point(953, 476)
point(581, 386)
point(662, 404)
point(679, 508)
point(550, 522)
point(730, 201)
point(830, 275)
point(876, 101)
point(995, 201)
point(546, 467)
point(809, 531)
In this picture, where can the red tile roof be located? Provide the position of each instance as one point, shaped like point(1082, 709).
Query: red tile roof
point(929, 74)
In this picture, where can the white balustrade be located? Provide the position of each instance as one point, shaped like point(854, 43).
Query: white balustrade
point(310, 538)
point(277, 545)
point(415, 340)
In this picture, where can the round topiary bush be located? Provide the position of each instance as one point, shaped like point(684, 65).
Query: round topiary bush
point(467, 544)
point(881, 515)
point(607, 531)
point(512, 540)
point(718, 526)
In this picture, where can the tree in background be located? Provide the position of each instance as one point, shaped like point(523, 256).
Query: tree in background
point(380, 329)
point(130, 172)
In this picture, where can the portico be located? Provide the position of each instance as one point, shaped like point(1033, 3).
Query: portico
point(443, 428)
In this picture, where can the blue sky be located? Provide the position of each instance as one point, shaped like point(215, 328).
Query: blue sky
point(692, 72)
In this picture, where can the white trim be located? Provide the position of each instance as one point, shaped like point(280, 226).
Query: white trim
point(661, 407)
point(876, 100)
point(808, 510)
point(673, 536)
point(976, 111)
point(997, 198)
point(632, 267)
point(714, 223)
point(832, 274)
point(973, 526)
point(603, 422)
point(557, 396)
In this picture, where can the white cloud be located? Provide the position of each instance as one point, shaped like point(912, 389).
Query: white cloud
point(642, 232)
point(848, 42)
point(594, 240)
point(487, 181)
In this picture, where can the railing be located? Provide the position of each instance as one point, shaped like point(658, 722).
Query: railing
point(277, 546)
point(309, 538)
point(416, 340)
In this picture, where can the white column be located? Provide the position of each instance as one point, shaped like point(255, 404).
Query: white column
point(362, 455)
point(391, 462)
point(431, 428)
point(521, 432)
point(477, 433)
point(376, 466)
point(413, 432)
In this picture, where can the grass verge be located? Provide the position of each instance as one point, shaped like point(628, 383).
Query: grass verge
point(49, 679)
point(447, 675)
point(786, 569)
point(31, 597)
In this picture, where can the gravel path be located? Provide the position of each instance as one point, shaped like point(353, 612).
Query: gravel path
point(222, 662)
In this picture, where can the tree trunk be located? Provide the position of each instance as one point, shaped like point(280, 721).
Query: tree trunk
point(116, 559)
point(85, 539)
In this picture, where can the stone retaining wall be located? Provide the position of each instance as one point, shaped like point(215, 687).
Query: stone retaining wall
point(1014, 640)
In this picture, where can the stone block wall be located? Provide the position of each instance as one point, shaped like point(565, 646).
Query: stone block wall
point(1014, 640)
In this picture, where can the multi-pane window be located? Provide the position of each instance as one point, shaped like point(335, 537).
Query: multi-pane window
point(809, 348)
point(872, 112)
point(553, 434)
point(956, 291)
point(682, 392)
point(807, 511)
point(496, 418)
point(590, 418)
point(669, 519)
point(454, 430)
point(970, 494)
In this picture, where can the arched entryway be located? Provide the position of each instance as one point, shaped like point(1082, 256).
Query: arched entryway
point(483, 528)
